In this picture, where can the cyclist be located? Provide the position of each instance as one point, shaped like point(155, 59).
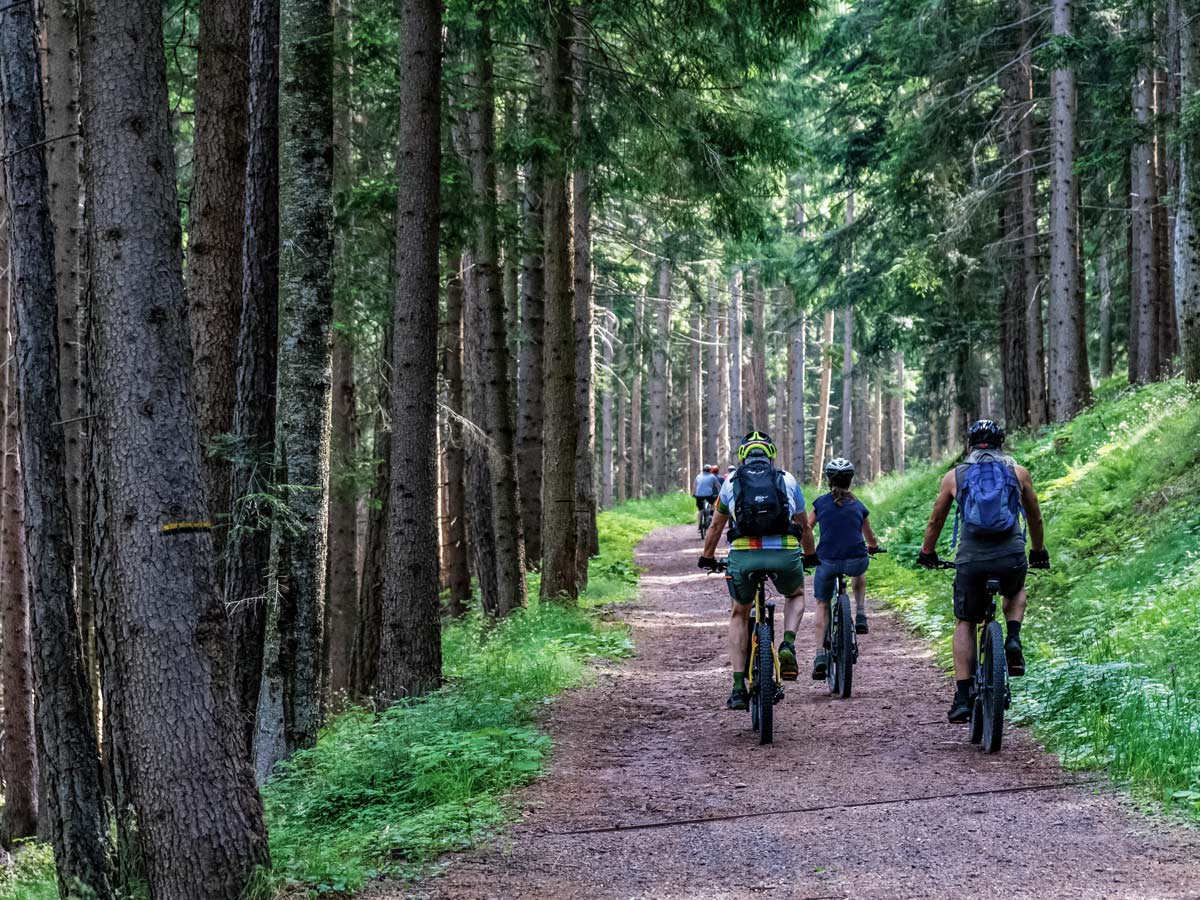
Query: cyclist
point(992, 492)
point(770, 533)
point(705, 489)
point(843, 519)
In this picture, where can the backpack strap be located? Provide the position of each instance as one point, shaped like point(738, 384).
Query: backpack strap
point(958, 506)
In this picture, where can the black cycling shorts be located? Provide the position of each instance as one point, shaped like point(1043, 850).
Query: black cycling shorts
point(971, 597)
point(700, 501)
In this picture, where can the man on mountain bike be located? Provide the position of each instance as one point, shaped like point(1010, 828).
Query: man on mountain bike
point(993, 493)
point(706, 488)
point(770, 533)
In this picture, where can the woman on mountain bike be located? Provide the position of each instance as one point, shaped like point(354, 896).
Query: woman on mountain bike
point(846, 544)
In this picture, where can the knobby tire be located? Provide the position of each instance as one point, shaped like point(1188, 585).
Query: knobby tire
point(765, 678)
point(992, 693)
point(845, 660)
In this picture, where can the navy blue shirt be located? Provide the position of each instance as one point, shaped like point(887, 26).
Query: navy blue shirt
point(841, 528)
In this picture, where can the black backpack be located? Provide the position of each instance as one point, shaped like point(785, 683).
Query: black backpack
point(760, 501)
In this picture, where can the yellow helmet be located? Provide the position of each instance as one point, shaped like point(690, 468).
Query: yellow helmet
point(756, 443)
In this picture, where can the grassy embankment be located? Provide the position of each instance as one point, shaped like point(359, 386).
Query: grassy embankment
point(384, 795)
point(1113, 632)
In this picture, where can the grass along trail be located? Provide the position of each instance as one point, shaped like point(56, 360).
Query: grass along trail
point(874, 797)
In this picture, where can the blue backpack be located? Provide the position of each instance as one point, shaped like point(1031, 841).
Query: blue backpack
point(989, 499)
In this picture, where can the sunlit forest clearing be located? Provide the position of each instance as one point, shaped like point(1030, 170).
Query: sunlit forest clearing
point(368, 366)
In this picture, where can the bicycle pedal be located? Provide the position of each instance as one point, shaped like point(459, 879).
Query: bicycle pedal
point(778, 695)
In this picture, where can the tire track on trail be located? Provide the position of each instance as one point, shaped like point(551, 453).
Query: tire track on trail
point(873, 797)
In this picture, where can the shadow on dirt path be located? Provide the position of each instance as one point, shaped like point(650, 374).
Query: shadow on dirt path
point(650, 743)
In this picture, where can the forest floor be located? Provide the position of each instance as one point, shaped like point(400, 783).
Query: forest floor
point(873, 797)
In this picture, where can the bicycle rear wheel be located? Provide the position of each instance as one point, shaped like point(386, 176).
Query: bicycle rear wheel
point(845, 655)
point(993, 692)
point(765, 679)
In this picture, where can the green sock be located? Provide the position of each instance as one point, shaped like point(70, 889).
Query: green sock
point(789, 637)
point(739, 681)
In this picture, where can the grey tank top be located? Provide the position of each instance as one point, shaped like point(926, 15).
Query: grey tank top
point(974, 548)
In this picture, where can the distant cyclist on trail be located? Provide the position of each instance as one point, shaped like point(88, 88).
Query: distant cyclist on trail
point(846, 544)
point(706, 488)
point(993, 494)
point(766, 510)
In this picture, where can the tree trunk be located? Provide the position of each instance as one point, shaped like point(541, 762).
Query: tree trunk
point(289, 706)
point(1106, 324)
point(636, 451)
point(1065, 363)
point(165, 640)
point(410, 645)
point(660, 410)
point(458, 571)
point(530, 378)
point(1143, 323)
point(214, 246)
point(621, 461)
point(1164, 189)
point(587, 541)
point(1035, 360)
point(64, 159)
point(876, 403)
point(1187, 234)
point(18, 750)
point(797, 364)
point(736, 419)
point(364, 662)
point(897, 415)
point(561, 432)
point(1014, 350)
point(710, 391)
point(65, 737)
point(611, 387)
point(849, 449)
point(248, 547)
point(758, 356)
point(723, 410)
point(695, 403)
point(341, 610)
point(818, 465)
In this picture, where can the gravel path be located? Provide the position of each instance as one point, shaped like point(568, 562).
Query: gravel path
point(650, 744)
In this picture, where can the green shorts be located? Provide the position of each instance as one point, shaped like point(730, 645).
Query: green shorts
point(786, 568)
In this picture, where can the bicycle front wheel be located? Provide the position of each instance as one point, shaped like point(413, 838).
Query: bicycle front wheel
point(993, 691)
point(765, 677)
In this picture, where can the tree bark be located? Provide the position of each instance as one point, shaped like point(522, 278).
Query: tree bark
point(341, 610)
point(458, 570)
point(66, 739)
point(621, 452)
point(364, 663)
point(248, 547)
point(797, 364)
point(636, 450)
point(165, 638)
point(1065, 363)
point(1014, 350)
point(1035, 359)
point(724, 415)
point(530, 377)
point(710, 392)
point(561, 433)
point(1143, 323)
point(587, 541)
point(18, 750)
point(214, 246)
point(1164, 189)
point(1187, 235)
point(410, 646)
point(818, 466)
point(289, 706)
point(494, 412)
point(758, 356)
point(876, 403)
point(695, 377)
point(64, 160)
point(736, 422)
point(897, 416)
point(849, 448)
point(660, 410)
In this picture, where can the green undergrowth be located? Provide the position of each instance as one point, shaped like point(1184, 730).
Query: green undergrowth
point(384, 795)
point(1112, 637)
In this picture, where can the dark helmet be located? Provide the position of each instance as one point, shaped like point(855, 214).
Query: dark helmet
point(756, 443)
point(839, 466)
point(985, 433)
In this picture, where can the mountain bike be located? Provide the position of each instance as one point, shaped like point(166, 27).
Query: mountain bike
point(706, 516)
point(841, 639)
point(763, 683)
point(990, 690)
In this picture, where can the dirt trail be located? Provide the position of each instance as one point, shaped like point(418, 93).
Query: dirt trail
point(650, 743)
